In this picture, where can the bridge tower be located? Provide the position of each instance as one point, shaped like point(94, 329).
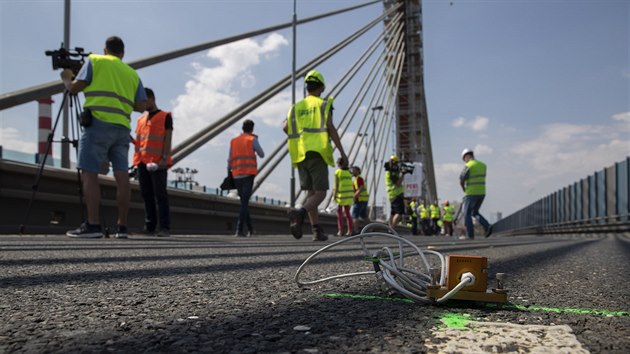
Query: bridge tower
point(413, 141)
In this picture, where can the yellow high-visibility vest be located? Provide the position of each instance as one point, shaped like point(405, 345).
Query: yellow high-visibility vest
point(344, 195)
point(111, 94)
point(475, 184)
point(307, 129)
point(364, 196)
point(393, 190)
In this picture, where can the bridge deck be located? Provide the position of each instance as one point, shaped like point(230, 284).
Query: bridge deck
point(225, 294)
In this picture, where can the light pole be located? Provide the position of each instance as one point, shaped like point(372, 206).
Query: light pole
point(373, 209)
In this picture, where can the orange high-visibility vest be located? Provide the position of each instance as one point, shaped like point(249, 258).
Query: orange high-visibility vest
point(242, 155)
point(149, 141)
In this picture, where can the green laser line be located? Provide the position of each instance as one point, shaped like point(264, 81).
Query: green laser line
point(454, 320)
point(492, 305)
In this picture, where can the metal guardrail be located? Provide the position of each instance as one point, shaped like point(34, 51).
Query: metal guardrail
point(597, 203)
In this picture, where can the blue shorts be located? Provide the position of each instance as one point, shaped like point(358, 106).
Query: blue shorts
point(102, 143)
point(359, 210)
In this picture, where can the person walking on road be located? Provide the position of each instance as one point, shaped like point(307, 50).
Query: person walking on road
point(112, 91)
point(344, 196)
point(434, 211)
point(242, 162)
point(359, 210)
point(447, 218)
point(152, 158)
point(473, 183)
point(309, 126)
point(395, 190)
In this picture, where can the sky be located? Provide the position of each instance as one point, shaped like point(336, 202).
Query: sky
point(540, 90)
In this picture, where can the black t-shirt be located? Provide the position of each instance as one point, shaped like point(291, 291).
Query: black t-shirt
point(168, 122)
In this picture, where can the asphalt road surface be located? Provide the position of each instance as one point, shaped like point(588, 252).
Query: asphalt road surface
point(223, 294)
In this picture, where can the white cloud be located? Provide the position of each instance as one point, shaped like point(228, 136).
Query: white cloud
point(274, 111)
point(478, 124)
point(622, 117)
point(481, 149)
point(12, 139)
point(571, 150)
point(459, 122)
point(213, 92)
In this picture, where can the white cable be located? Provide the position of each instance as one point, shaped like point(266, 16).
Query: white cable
point(408, 282)
point(467, 278)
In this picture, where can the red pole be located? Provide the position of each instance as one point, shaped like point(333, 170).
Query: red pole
point(44, 128)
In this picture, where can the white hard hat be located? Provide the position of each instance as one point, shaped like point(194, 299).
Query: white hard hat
point(466, 152)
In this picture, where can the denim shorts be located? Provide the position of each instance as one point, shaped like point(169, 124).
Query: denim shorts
point(359, 210)
point(102, 143)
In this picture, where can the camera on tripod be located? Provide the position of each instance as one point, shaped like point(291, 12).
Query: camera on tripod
point(63, 58)
point(403, 167)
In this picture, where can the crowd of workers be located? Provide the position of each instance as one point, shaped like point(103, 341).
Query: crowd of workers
point(113, 90)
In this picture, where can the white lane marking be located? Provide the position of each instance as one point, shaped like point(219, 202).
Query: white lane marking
point(496, 337)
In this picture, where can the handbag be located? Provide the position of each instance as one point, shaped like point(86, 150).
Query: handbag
point(228, 182)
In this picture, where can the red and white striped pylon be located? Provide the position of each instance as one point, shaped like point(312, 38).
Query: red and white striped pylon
point(44, 128)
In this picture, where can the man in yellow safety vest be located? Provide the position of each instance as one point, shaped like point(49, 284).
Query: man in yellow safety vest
point(112, 91)
point(310, 128)
point(473, 182)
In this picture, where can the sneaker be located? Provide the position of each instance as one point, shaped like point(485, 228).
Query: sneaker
point(250, 233)
point(86, 231)
point(148, 231)
point(296, 219)
point(164, 233)
point(465, 238)
point(339, 233)
point(489, 231)
point(319, 234)
point(121, 231)
point(240, 234)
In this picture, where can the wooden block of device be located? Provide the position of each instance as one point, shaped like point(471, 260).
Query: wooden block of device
point(458, 265)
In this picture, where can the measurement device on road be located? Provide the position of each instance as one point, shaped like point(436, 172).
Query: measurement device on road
point(462, 277)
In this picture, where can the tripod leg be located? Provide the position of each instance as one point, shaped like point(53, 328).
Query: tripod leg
point(40, 170)
point(76, 134)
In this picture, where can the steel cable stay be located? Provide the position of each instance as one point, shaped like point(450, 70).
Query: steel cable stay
point(273, 160)
point(382, 130)
point(377, 97)
point(199, 139)
point(379, 86)
point(379, 90)
point(364, 90)
point(353, 70)
point(32, 93)
point(382, 147)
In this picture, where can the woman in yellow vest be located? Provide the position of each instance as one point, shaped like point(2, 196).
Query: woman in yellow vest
point(361, 196)
point(344, 196)
point(447, 218)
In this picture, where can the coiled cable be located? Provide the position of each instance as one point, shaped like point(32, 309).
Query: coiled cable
point(390, 268)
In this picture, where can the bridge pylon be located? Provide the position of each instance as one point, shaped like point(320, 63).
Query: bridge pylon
point(413, 140)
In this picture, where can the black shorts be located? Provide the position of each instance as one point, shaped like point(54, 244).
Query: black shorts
point(398, 205)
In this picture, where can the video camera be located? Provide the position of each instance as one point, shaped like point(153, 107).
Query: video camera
point(67, 59)
point(403, 167)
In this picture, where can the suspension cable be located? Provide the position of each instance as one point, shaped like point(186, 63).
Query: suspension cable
point(199, 139)
point(28, 94)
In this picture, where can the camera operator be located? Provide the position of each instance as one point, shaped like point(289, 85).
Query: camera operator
point(112, 91)
point(395, 190)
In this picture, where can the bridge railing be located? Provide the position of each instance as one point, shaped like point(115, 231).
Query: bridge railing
point(596, 203)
